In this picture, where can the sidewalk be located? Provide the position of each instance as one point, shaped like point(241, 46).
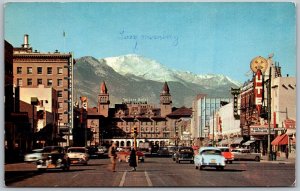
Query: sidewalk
point(280, 159)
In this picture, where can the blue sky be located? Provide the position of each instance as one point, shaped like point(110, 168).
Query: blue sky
point(203, 38)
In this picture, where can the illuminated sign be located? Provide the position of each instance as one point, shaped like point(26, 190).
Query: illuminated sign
point(235, 93)
point(258, 90)
point(84, 102)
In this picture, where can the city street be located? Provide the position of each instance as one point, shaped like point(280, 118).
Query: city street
point(156, 172)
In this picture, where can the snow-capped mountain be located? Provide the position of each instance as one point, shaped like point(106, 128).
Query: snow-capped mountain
point(133, 76)
point(146, 68)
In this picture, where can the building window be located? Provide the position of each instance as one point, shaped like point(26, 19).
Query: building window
point(59, 70)
point(49, 82)
point(59, 82)
point(60, 105)
point(60, 116)
point(19, 70)
point(59, 93)
point(39, 81)
point(39, 70)
point(19, 82)
point(29, 70)
point(49, 70)
point(29, 82)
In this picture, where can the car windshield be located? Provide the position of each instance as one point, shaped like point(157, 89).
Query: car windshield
point(53, 150)
point(76, 150)
point(211, 152)
point(224, 149)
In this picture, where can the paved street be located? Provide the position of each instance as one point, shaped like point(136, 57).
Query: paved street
point(156, 172)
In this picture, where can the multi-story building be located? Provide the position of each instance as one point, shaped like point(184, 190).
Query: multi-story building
point(32, 68)
point(154, 124)
point(226, 126)
point(203, 109)
point(254, 122)
point(43, 118)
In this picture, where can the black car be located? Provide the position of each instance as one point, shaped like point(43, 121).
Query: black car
point(184, 154)
point(53, 157)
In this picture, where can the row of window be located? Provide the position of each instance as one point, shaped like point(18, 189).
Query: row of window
point(40, 70)
point(143, 123)
point(39, 82)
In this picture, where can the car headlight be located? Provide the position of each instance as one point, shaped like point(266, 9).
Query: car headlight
point(59, 161)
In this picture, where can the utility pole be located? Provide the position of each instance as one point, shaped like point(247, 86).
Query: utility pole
point(269, 116)
point(213, 142)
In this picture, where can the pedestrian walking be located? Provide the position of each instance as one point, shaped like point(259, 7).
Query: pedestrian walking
point(286, 152)
point(113, 156)
point(132, 159)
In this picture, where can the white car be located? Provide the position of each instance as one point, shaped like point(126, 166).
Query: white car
point(209, 157)
point(245, 154)
point(34, 156)
point(78, 155)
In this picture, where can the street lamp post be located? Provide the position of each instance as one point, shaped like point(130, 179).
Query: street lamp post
point(269, 116)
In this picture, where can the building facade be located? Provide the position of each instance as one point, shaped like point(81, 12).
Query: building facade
point(156, 125)
point(203, 109)
point(32, 68)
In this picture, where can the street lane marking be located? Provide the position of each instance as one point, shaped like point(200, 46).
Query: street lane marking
point(123, 179)
point(148, 179)
point(74, 175)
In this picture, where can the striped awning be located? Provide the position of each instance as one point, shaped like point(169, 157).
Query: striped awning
point(248, 142)
point(237, 140)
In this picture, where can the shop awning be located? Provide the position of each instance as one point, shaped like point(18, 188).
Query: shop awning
point(280, 140)
point(284, 140)
point(237, 140)
point(248, 142)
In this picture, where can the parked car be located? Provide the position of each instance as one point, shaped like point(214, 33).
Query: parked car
point(184, 154)
point(35, 155)
point(78, 155)
point(96, 152)
point(229, 156)
point(245, 154)
point(209, 157)
point(53, 157)
point(163, 151)
point(124, 155)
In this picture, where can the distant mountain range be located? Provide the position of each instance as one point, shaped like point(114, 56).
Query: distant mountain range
point(134, 76)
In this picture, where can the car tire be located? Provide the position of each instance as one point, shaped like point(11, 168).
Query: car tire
point(230, 162)
point(201, 168)
point(257, 159)
point(41, 169)
point(179, 161)
point(119, 160)
point(196, 167)
point(191, 162)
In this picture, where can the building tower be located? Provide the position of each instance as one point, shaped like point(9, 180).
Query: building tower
point(165, 101)
point(103, 100)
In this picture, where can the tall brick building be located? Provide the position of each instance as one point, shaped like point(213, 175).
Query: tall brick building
point(32, 68)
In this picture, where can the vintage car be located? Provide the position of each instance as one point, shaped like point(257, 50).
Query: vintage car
point(53, 157)
point(78, 155)
point(245, 154)
point(229, 156)
point(209, 157)
point(35, 155)
point(124, 155)
point(184, 154)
